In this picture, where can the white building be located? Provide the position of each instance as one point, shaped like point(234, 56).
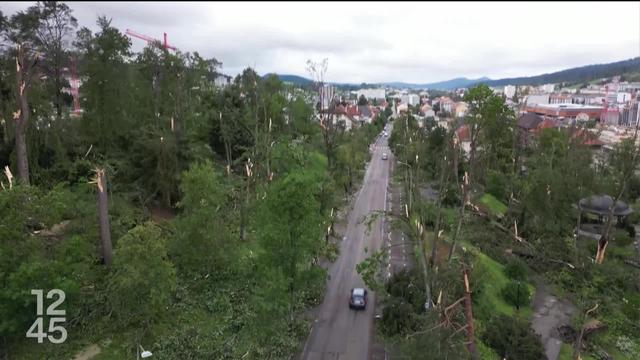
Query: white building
point(222, 80)
point(410, 99)
point(623, 97)
point(326, 94)
point(372, 93)
point(509, 91)
point(537, 99)
point(548, 88)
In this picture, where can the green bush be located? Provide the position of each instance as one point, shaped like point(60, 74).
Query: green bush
point(622, 238)
point(516, 293)
point(398, 317)
point(496, 184)
point(516, 270)
point(631, 307)
point(513, 338)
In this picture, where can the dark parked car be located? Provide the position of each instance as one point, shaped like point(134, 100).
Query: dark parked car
point(358, 299)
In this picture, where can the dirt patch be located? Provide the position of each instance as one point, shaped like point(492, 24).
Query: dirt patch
point(88, 353)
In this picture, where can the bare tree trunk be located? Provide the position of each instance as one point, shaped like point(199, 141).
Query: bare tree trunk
point(465, 190)
point(425, 273)
point(103, 217)
point(444, 182)
point(468, 313)
point(23, 79)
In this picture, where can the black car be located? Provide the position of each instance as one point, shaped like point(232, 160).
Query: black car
point(358, 299)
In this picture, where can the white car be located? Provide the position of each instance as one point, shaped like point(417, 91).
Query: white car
point(385, 156)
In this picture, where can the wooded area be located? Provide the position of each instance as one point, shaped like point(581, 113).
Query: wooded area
point(173, 213)
point(506, 214)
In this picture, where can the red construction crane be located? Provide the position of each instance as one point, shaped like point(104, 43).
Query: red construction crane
point(149, 39)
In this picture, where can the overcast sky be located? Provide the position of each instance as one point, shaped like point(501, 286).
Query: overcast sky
point(376, 42)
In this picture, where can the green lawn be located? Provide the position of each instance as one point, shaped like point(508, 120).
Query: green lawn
point(495, 280)
point(494, 205)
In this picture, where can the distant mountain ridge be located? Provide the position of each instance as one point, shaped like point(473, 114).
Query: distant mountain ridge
point(573, 75)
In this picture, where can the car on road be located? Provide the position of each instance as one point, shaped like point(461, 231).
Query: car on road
point(358, 299)
point(385, 156)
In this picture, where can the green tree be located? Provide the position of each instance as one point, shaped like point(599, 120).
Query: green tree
point(513, 338)
point(106, 122)
point(202, 243)
point(52, 34)
point(143, 278)
point(290, 230)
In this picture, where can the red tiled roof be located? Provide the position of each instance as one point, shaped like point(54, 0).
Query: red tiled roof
point(586, 138)
point(463, 133)
point(547, 123)
point(352, 110)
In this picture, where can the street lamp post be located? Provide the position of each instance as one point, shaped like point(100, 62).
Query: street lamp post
point(145, 354)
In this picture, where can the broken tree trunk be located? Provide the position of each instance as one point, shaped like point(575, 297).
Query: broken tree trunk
point(444, 182)
point(468, 313)
point(464, 200)
point(103, 217)
point(24, 73)
point(626, 176)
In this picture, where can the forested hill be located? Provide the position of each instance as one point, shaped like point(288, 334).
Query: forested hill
point(575, 75)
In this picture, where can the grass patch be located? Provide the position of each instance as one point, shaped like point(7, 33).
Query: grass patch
point(494, 205)
point(566, 352)
point(491, 279)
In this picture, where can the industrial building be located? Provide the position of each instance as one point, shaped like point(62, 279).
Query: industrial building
point(565, 112)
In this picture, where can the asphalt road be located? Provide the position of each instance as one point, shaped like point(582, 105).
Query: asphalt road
point(339, 332)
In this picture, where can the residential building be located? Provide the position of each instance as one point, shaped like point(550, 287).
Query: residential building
point(463, 137)
point(372, 93)
point(565, 112)
point(547, 88)
point(461, 109)
point(509, 91)
point(222, 80)
point(427, 111)
point(526, 126)
point(410, 99)
point(447, 105)
point(326, 95)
